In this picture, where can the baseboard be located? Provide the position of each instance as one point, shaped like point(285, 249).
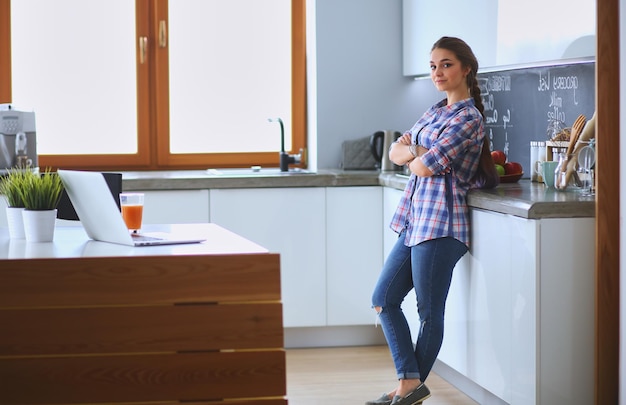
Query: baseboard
point(465, 385)
point(334, 336)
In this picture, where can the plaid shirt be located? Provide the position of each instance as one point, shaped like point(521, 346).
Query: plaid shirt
point(453, 136)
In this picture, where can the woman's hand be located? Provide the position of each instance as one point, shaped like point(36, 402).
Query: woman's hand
point(399, 152)
point(417, 167)
point(405, 139)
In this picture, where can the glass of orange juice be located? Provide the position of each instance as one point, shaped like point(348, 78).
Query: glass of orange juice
point(132, 210)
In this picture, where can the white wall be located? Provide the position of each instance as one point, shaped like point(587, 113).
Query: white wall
point(359, 87)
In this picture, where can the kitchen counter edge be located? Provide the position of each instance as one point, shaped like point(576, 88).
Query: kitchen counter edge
point(524, 199)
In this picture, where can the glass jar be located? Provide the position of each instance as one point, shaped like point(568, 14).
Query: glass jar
point(560, 173)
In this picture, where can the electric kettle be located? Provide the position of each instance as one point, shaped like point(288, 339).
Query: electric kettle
point(380, 142)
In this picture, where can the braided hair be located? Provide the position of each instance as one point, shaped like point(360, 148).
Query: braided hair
point(486, 175)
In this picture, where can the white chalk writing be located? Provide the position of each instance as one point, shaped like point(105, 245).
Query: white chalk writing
point(544, 83)
point(547, 83)
point(506, 118)
point(499, 83)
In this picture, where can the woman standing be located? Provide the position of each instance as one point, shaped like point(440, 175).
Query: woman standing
point(447, 154)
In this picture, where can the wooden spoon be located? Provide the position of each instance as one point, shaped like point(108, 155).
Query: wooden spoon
point(583, 139)
point(577, 128)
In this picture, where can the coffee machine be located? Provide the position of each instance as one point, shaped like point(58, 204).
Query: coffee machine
point(18, 139)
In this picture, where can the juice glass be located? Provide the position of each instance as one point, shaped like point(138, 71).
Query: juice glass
point(132, 210)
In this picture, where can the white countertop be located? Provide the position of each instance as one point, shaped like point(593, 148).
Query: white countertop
point(73, 242)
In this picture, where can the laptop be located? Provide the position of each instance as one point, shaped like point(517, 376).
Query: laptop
point(98, 212)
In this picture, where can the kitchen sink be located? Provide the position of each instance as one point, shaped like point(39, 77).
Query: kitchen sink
point(255, 171)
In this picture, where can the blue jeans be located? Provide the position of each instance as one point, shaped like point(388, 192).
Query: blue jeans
point(427, 268)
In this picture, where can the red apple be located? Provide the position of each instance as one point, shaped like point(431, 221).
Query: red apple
point(498, 157)
point(513, 168)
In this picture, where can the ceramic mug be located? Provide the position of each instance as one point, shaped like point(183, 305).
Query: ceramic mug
point(546, 170)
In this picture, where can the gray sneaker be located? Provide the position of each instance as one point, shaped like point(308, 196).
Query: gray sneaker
point(415, 397)
point(383, 400)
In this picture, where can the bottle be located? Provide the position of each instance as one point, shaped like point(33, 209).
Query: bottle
point(542, 154)
point(534, 157)
point(560, 181)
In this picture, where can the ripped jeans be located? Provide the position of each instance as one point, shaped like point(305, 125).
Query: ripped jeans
point(427, 268)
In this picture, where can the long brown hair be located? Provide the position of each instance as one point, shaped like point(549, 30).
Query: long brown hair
point(486, 175)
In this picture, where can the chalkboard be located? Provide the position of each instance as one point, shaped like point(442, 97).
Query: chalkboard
point(520, 104)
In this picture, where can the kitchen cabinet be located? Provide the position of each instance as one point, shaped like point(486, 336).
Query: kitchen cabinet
point(160, 207)
point(100, 323)
point(519, 315)
point(565, 311)
point(3, 217)
point(391, 198)
point(499, 40)
point(176, 206)
point(480, 303)
point(289, 221)
point(330, 245)
point(354, 253)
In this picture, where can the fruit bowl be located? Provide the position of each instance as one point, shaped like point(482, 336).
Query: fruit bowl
point(511, 178)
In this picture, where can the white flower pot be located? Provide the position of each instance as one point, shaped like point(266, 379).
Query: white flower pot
point(39, 225)
point(15, 222)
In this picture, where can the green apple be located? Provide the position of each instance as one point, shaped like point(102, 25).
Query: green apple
point(500, 170)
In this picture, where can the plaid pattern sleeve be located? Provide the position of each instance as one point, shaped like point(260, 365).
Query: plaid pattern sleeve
point(453, 136)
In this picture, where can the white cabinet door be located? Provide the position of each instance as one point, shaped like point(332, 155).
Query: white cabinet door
point(503, 305)
point(455, 344)
point(566, 314)
point(391, 198)
point(3, 215)
point(490, 303)
point(176, 207)
point(291, 222)
point(354, 252)
point(524, 308)
point(518, 319)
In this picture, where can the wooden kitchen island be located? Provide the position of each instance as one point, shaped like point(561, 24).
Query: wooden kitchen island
point(90, 322)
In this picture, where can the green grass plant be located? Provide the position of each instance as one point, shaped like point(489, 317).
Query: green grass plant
point(12, 184)
point(42, 191)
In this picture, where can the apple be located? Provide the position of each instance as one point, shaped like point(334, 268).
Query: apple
point(500, 170)
point(513, 168)
point(498, 157)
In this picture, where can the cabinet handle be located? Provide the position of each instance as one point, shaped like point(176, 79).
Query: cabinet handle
point(143, 49)
point(162, 34)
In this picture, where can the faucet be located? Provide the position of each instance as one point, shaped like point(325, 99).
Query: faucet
point(285, 158)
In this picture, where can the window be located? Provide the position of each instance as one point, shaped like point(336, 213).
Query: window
point(152, 85)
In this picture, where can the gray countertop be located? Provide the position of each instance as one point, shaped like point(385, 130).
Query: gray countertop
point(524, 199)
point(245, 178)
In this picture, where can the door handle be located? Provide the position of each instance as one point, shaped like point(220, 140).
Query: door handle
point(162, 34)
point(143, 49)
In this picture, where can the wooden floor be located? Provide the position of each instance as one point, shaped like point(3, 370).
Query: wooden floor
point(353, 375)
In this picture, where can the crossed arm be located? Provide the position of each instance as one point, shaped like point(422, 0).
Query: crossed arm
point(403, 152)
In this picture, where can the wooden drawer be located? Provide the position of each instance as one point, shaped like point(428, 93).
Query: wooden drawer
point(194, 329)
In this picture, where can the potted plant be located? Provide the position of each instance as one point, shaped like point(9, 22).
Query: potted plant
point(41, 193)
point(11, 187)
